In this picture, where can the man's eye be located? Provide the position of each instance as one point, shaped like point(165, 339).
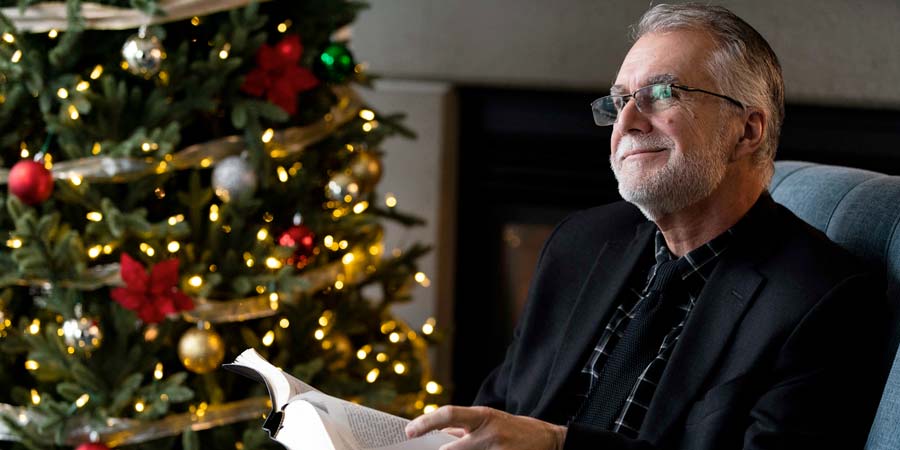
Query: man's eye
point(661, 92)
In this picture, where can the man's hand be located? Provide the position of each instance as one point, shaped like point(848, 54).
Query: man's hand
point(489, 429)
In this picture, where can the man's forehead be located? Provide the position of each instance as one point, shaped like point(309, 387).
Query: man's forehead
point(657, 78)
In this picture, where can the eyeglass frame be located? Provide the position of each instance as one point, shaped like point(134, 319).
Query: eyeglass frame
point(595, 104)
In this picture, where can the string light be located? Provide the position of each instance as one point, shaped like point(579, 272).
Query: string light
point(173, 246)
point(176, 219)
point(390, 200)
point(52, 34)
point(268, 135)
point(273, 301)
point(273, 263)
point(94, 216)
point(16, 57)
point(223, 54)
point(326, 316)
point(62, 93)
point(82, 86)
point(213, 213)
point(284, 323)
point(14, 243)
point(95, 251)
point(338, 284)
point(73, 112)
point(32, 365)
point(107, 249)
point(363, 352)
point(35, 397)
point(366, 114)
point(83, 400)
point(399, 368)
point(429, 408)
point(139, 406)
point(262, 234)
point(158, 371)
point(282, 174)
point(428, 326)
point(195, 21)
point(343, 245)
point(319, 334)
point(205, 162)
point(35, 326)
point(269, 338)
point(388, 326)
point(98, 70)
point(96, 149)
point(328, 241)
point(283, 26)
point(360, 207)
point(195, 281)
point(372, 375)
point(76, 180)
point(347, 259)
point(9, 38)
point(394, 337)
point(433, 388)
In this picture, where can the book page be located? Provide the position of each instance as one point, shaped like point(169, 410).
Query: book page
point(366, 428)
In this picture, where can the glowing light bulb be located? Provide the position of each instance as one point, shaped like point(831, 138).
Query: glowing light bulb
point(373, 375)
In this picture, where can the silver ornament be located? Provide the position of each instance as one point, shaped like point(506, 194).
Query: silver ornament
point(342, 188)
point(82, 334)
point(233, 178)
point(143, 53)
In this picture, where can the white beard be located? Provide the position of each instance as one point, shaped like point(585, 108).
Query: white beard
point(681, 182)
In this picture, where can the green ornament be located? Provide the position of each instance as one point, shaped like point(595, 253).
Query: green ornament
point(335, 63)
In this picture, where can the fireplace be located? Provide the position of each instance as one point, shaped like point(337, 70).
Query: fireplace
point(528, 158)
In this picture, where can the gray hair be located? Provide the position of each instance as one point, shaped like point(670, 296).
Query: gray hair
point(743, 65)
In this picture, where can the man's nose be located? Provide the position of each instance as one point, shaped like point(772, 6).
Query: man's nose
point(630, 120)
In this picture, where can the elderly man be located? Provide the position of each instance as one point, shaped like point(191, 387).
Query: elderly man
point(699, 314)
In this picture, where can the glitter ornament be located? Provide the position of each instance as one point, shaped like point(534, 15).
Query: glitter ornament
point(82, 333)
point(144, 53)
point(302, 240)
point(234, 179)
point(92, 446)
point(366, 168)
point(335, 64)
point(30, 182)
point(201, 350)
point(343, 188)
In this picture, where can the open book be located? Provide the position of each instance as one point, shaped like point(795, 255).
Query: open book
point(305, 418)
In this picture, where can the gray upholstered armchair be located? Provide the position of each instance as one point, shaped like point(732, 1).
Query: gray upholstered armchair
point(859, 210)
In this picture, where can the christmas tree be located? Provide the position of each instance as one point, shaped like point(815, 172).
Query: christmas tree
point(187, 179)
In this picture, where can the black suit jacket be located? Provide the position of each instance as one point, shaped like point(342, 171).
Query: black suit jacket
point(781, 350)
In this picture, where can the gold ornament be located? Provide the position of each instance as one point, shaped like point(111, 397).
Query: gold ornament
point(366, 168)
point(201, 350)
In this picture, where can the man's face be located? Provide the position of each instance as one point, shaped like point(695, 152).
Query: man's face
point(668, 160)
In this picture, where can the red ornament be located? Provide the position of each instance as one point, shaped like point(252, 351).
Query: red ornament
point(92, 446)
point(30, 181)
point(277, 75)
point(302, 240)
point(152, 296)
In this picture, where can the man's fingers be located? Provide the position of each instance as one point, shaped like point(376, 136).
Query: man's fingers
point(447, 417)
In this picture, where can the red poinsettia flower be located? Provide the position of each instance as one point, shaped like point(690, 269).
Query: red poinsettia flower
point(153, 296)
point(278, 76)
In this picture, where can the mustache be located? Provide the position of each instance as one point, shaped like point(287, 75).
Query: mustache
point(645, 141)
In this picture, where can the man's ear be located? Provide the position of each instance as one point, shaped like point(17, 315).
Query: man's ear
point(752, 134)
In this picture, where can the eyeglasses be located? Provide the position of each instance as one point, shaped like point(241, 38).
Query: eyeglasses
point(648, 99)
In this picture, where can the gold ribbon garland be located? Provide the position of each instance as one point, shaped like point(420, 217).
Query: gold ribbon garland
point(291, 141)
point(47, 16)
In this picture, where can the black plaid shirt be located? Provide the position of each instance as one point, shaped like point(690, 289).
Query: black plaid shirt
point(694, 269)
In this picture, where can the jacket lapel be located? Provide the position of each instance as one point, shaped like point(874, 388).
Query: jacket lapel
point(728, 293)
point(596, 300)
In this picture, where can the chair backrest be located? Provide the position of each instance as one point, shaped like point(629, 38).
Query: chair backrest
point(860, 210)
